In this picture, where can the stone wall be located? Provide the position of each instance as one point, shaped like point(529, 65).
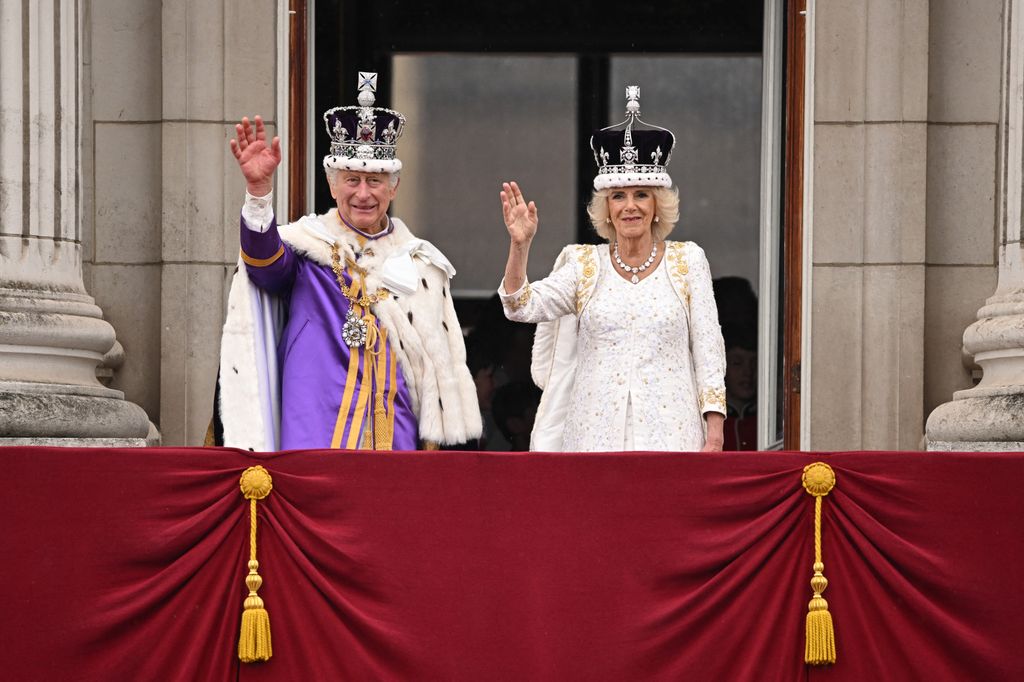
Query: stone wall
point(53, 336)
point(905, 119)
point(903, 235)
point(169, 80)
point(868, 227)
point(963, 110)
point(121, 184)
point(990, 416)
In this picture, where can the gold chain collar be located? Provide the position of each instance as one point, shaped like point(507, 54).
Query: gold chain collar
point(364, 300)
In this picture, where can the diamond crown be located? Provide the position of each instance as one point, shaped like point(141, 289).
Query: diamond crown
point(364, 131)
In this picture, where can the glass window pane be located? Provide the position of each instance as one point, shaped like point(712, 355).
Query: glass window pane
point(713, 105)
point(474, 121)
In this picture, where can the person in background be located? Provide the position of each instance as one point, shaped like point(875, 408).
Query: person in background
point(737, 302)
point(498, 352)
point(481, 363)
point(737, 311)
point(515, 408)
point(740, 386)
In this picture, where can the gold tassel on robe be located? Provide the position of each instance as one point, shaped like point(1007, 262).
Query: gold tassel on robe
point(818, 480)
point(379, 430)
point(383, 428)
point(254, 640)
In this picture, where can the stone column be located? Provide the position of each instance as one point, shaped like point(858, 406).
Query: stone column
point(990, 416)
point(52, 334)
point(868, 225)
point(219, 64)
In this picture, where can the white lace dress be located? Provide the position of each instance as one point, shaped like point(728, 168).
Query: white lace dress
point(637, 386)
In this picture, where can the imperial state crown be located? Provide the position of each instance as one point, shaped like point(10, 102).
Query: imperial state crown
point(364, 137)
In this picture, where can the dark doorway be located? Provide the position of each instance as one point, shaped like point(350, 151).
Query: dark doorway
point(359, 36)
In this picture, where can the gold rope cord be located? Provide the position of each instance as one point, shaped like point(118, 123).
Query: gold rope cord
point(818, 480)
point(379, 432)
point(364, 299)
point(358, 428)
point(346, 399)
point(392, 391)
point(356, 355)
point(379, 429)
point(382, 435)
point(254, 639)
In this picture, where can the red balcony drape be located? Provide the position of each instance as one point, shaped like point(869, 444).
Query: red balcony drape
point(130, 565)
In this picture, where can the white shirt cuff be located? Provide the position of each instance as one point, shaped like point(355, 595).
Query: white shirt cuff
point(258, 212)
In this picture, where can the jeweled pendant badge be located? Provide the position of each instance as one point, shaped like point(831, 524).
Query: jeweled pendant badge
point(353, 332)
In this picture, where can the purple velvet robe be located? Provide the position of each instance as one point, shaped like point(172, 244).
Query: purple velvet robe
point(321, 404)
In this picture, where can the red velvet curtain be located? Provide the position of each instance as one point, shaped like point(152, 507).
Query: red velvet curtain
point(130, 565)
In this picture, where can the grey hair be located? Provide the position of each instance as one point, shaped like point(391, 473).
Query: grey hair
point(666, 208)
point(332, 175)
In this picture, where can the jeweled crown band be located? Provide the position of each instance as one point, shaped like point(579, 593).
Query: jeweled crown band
point(616, 179)
point(363, 151)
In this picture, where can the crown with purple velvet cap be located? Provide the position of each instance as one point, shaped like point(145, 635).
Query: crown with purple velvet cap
point(632, 153)
point(364, 137)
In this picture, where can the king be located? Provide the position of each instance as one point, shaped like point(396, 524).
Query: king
point(341, 331)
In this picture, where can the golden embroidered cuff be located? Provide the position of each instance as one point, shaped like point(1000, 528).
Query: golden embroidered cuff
point(712, 400)
point(262, 262)
point(517, 302)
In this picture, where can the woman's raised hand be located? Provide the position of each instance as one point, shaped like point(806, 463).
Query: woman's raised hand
point(256, 160)
point(520, 216)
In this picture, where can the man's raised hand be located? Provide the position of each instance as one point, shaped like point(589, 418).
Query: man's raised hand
point(256, 160)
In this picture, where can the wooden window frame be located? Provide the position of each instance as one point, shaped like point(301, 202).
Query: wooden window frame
point(793, 222)
point(298, 107)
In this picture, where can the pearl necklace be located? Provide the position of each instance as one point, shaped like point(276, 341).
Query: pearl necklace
point(640, 268)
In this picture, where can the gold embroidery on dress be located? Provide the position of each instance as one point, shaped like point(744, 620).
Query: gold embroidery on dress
point(712, 396)
point(588, 278)
point(677, 257)
point(679, 269)
point(519, 301)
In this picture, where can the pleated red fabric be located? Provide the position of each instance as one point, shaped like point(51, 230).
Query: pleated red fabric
point(130, 565)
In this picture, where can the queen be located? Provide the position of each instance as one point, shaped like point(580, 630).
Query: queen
point(628, 349)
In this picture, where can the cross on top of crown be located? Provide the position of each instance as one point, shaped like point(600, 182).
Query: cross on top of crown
point(633, 100)
point(367, 87)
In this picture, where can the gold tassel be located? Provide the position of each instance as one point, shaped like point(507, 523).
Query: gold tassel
point(818, 480)
point(382, 435)
point(380, 426)
point(369, 369)
point(378, 434)
point(254, 640)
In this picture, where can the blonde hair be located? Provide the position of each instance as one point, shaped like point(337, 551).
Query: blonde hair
point(666, 208)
